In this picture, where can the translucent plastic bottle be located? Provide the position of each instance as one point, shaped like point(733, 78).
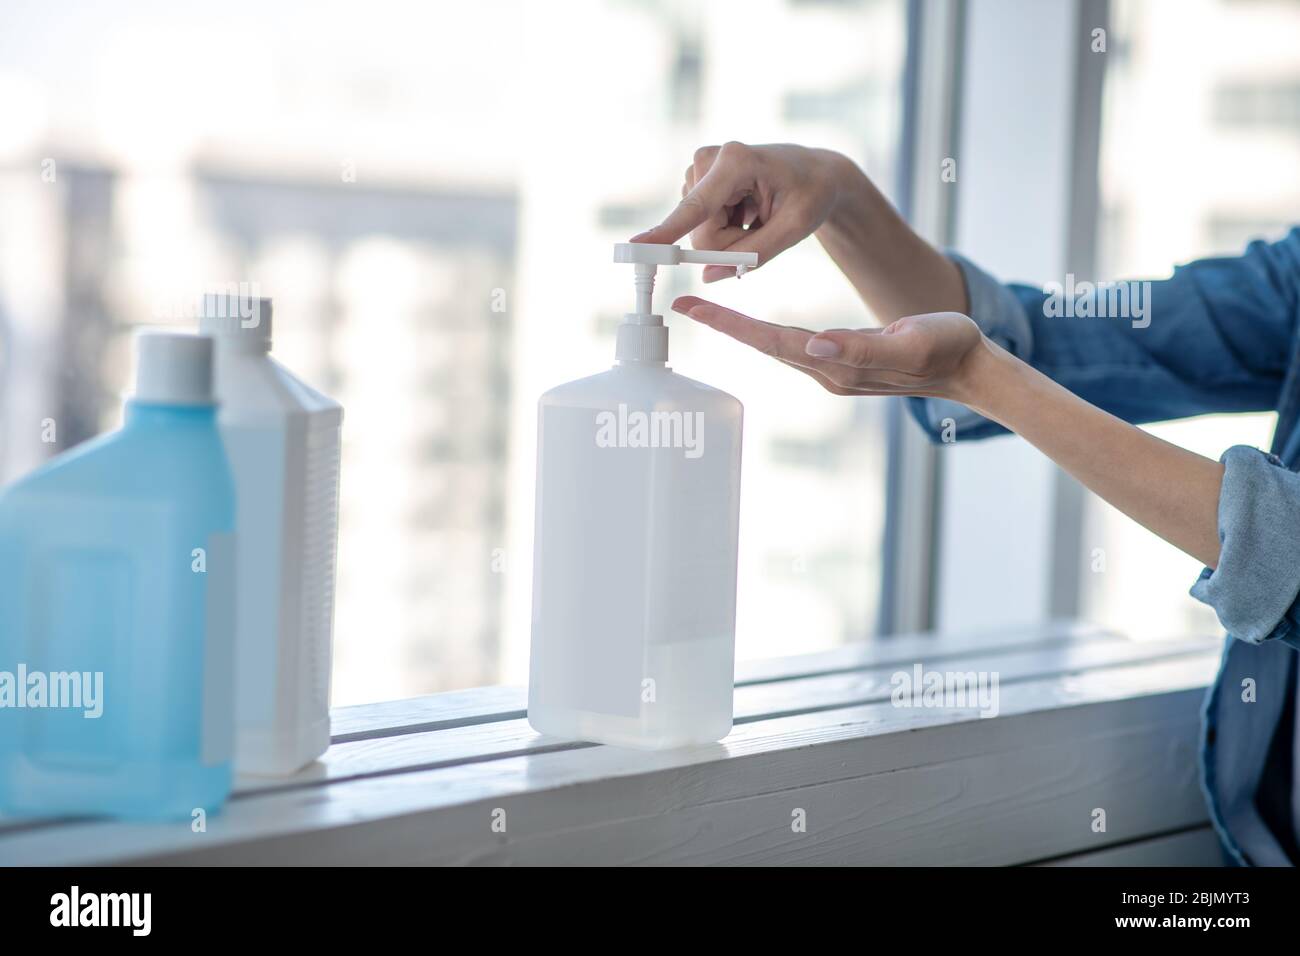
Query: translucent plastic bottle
point(283, 438)
point(116, 590)
point(634, 577)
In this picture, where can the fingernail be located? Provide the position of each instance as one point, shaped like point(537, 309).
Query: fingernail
point(822, 348)
point(639, 235)
point(680, 310)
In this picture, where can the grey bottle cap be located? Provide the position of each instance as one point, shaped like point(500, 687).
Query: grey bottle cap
point(244, 317)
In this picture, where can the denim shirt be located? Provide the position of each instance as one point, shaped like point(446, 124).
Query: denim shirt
point(1220, 335)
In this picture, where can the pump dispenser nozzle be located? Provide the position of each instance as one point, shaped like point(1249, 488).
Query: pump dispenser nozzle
point(642, 337)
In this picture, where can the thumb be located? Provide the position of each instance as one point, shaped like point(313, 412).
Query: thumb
point(768, 240)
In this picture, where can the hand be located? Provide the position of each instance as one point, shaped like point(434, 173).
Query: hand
point(761, 199)
point(931, 355)
point(944, 355)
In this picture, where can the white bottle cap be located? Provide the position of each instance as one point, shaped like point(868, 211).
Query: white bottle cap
point(641, 338)
point(173, 368)
point(242, 319)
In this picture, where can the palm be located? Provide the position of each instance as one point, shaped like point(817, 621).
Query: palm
point(931, 348)
point(916, 355)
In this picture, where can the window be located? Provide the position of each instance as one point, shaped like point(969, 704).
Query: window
point(1199, 150)
point(389, 174)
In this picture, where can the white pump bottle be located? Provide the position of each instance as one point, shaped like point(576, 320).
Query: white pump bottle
point(634, 572)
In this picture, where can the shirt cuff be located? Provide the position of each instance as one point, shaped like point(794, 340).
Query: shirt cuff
point(1001, 317)
point(996, 310)
point(1258, 577)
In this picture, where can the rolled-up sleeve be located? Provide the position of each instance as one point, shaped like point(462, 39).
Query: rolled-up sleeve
point(1002, 318)
point(1216, 336)
point(1255, 587)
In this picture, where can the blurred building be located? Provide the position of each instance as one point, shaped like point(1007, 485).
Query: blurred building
point(430, 196)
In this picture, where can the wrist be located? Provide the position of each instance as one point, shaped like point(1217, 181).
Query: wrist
point(850, 200)
point(986, 370)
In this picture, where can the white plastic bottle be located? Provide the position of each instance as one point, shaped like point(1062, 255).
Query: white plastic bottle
point(283, 441)
point(634, 573)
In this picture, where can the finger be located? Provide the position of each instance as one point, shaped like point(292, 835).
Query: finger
point(706, 235)
point(782, 342)
point(788, 344)
point(873, 349)
point(697, 206)
point(768, 240)
point(726, 227)
point(718, 231)
point(703, 160)
point(713, 192)
point(778, 341)
point(717, 236)
point(688, 181)
point(724, 232)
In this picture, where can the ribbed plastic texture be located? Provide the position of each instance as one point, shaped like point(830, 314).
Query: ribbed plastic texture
point(320, 532)
point(249, 319)
point(641, 343)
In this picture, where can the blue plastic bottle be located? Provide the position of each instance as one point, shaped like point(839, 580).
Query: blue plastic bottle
point(116, 638)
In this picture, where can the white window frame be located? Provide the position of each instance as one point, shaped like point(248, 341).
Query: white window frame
point(1019, 105)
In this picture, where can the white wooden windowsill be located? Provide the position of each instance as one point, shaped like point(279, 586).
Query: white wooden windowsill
point(1086, 720)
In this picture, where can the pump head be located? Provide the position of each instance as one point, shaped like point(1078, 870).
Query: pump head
point(642, 337)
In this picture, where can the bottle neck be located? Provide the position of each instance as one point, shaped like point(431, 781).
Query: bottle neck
point(242, 345)
point(140, 413)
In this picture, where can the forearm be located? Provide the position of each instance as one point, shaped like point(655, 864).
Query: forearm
point(1168, 490)
point(894, 270)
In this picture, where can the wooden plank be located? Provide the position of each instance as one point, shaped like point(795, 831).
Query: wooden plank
point(459, 741)
point(905, 648)
point(831, 691)
point(886, 781)
point(509, 738)
point(418, 734)
point(461, 708)
point(997, 809)
point(488, 704)
point(1198, 846)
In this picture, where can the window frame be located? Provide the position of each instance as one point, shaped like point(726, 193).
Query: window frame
point(1002, 194)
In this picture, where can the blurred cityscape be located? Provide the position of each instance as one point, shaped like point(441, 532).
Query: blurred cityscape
point(429, 193)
